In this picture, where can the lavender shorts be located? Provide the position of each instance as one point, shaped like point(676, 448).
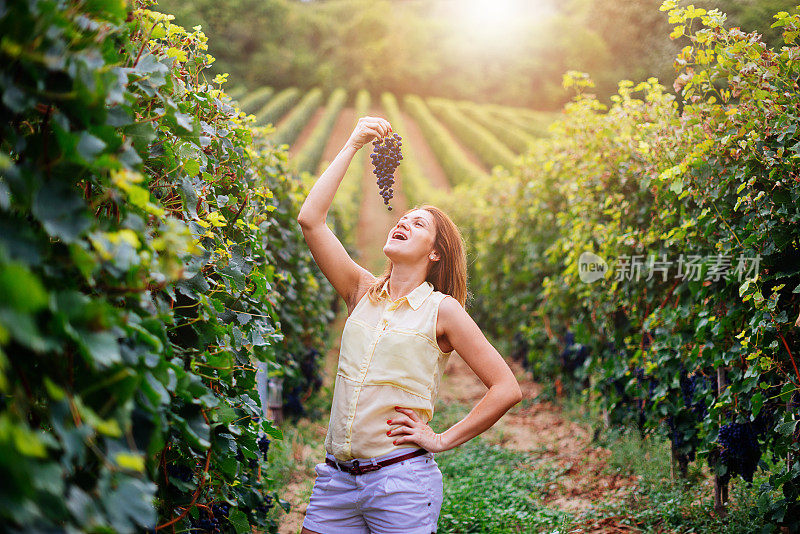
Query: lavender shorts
point(405, 497)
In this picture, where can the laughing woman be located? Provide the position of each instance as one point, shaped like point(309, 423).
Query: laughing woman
point(379, 475)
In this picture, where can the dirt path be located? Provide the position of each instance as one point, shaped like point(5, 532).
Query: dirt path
point(298, 144)
point(342, 129)
point(540, 427)
point(425, 156)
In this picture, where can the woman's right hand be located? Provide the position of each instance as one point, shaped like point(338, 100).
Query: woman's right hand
point(367, 129)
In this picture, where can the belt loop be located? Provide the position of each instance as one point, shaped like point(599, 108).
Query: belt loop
point(335, 463)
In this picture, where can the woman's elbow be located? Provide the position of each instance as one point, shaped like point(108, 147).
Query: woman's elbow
point(511, 392)
point(515, 393)
point(308, 219)
point(305, 221)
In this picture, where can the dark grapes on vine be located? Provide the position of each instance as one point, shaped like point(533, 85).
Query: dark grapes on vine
point(181, 472)
point(740, 450)
point(265, 506)
point(263, 446)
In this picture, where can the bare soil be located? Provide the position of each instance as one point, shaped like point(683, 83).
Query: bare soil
point(300, 142)
point(425, 156)
point(541, 429)
point(345, 123)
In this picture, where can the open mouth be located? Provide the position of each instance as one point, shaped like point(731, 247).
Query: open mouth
point(398, 236)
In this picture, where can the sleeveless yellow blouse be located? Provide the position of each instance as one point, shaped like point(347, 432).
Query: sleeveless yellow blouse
point(388, 357)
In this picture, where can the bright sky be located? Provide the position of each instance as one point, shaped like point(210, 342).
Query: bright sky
point(496, 22)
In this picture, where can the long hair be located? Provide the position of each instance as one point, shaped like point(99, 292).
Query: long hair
point(449, 274)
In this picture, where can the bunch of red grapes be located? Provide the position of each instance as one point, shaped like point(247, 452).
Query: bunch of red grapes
point(386, 157)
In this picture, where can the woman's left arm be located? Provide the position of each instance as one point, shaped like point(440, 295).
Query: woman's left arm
point(504, 392)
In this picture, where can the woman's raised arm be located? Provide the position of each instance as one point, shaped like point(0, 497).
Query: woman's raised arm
point(331, 257)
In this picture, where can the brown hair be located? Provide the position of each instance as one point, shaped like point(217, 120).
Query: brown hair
point(449, 274)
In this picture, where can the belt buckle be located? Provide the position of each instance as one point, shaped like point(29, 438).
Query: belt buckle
point(356, 469)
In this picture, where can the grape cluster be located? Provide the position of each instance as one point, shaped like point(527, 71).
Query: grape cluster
point(221, 510)
point(263, 446)
point(765, 420)
point(181, 472)
point(683, 423)
point(521, 350)
point(689, 384)
point(740, 450)
point(643, 381)
point(266, 505)
point(309, 367)
point(647, 340)
point(207, 523)
point(214, 520)
point(293, 406)
point(571, 357)
point(386, 156)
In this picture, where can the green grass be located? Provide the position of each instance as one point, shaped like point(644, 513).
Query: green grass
point(489, 489)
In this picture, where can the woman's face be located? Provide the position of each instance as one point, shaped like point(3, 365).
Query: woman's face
point(418, 230)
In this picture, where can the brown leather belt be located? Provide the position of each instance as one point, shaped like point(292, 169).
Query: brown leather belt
point(358, 469)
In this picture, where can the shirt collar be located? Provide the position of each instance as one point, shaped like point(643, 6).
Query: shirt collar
point(415, 298)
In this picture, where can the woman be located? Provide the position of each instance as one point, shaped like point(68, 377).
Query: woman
point(379, 475)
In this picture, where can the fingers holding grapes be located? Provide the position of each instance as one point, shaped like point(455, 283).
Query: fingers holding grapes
point(382, 125)
point(367, 129)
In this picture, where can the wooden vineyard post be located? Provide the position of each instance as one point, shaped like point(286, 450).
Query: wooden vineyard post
point(270, 391)
point(684, 466)
point(674, 459)
point(275, 399)
point(679, 467)
point(791, 403)
point(720, 488)
point(604, 414)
